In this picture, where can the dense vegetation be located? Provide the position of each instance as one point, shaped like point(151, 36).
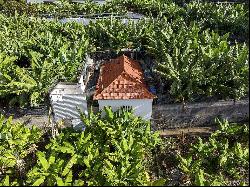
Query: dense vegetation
point(223, 18)
point(120, 149)
point(221, 159)
point(199, 48)
point(111, 151)
point(35, 54)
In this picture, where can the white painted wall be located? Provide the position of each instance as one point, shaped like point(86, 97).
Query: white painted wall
point(142, 107)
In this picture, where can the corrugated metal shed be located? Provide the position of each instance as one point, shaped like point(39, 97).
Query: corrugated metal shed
point(66, 100)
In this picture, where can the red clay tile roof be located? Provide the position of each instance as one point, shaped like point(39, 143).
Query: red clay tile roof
point(121, 78)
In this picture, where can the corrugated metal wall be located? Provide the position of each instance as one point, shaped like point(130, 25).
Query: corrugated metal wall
point(68, 108)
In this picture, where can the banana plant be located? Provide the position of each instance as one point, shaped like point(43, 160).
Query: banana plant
point(200, 179)
point(51, 171)
point(216, 156)
point(104, 157)
point(6, 182)
point(17, 143)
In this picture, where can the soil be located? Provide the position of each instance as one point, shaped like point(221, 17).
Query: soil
point(203, 131)
point(30, 116)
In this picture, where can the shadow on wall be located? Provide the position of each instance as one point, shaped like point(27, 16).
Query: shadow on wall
point(140, 111)
point(141, 107)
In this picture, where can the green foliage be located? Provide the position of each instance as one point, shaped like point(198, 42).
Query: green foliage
point(196, 53)
point(17, 145)
point(200, 63)
point(218, 157)
point(230, 130)
point(159, 182)
point(192, 61)
point(124, 139)
point(195, 58)
point(111, 151)
point(52, 171)
point(223, 18)
point(37, 56)
point(115, 149)
point(58, 9)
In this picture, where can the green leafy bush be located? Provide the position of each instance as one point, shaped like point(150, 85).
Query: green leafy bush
point(18, 144)
point(37, 56)
point(194, 61)
point(215, 161)
point(111, 151)
point(200, 63)
point(116, 148)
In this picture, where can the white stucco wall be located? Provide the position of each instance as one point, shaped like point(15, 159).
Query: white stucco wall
point(142, 107)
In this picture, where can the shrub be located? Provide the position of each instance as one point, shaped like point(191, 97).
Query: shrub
point(111, 151)
point(17, 146)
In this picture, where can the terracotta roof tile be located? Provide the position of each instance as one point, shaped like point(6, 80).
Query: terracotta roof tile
point(121, 78)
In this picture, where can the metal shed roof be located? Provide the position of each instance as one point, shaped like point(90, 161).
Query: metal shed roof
point(67, 88)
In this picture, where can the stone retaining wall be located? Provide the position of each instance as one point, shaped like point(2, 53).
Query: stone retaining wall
point(198, 114)
point(168, 116)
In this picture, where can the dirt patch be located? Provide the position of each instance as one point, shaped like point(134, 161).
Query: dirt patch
point(30, 116)
point(203, 131)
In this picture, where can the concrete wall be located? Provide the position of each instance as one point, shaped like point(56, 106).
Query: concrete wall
point(198, 114)
point(142, 107)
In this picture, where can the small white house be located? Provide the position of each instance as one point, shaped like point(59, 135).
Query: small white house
point(121, 84)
